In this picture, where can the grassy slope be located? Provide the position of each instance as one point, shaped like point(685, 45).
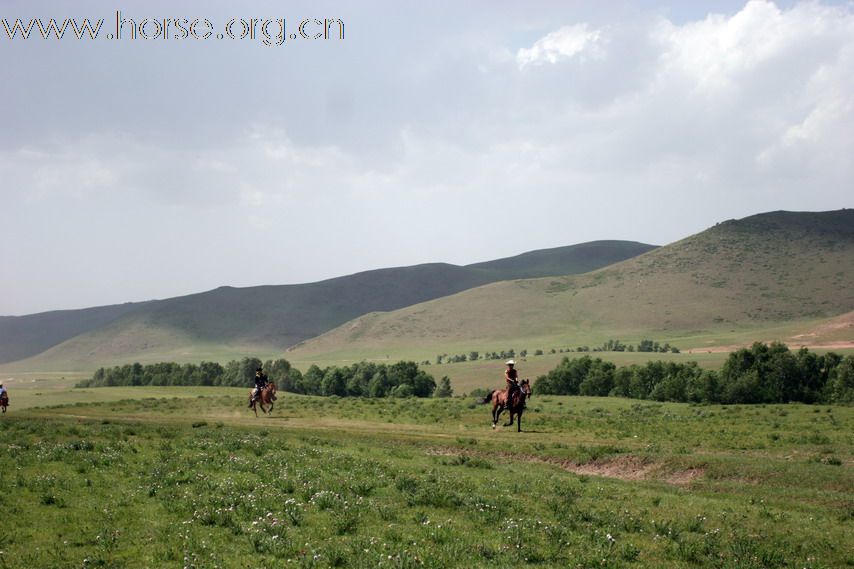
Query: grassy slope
point(23, 336)
point(129, 339)
point(221, 323)
point(766, 275)
point(402, 483)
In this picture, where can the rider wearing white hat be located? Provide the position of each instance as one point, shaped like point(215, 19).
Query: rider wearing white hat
point(511, 376)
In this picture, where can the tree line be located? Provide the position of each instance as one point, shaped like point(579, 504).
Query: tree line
point(365, 379)
point(608, 346)
point(760, 374)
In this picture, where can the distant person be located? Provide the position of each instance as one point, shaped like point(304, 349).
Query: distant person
point(261, 382)
point(511, 376)
point(4, 397)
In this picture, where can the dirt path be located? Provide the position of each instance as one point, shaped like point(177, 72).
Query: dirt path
point(794, 343)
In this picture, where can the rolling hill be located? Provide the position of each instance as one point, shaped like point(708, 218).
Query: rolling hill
point(774, 271)
point(228, 321)
point(23, 336)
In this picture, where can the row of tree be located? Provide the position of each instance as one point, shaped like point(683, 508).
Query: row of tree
point(609, 346)
point(474, 356)
point(365, 379)
point(644, 346)
point(759, 374)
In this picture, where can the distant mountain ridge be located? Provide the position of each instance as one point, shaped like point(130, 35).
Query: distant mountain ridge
point(277, 316)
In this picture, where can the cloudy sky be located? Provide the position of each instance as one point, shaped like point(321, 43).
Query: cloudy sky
point(440, 131)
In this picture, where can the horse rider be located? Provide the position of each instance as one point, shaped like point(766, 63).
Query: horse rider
point(261, 382)
point(511, 376)
point(3, 392)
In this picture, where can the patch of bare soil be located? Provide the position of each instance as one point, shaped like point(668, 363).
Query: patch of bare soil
point(628, 467)
point(841, 322)
point(823, 336)
point(717, 349)
point(829, 345)
point(622, 467)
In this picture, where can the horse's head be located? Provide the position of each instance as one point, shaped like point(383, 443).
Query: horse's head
point(526, 388)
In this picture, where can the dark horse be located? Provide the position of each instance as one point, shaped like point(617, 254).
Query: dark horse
point(265, 398)
point(516, 406)
point(4, 401)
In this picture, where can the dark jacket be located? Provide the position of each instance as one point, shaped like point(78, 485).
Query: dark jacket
point(261, 380)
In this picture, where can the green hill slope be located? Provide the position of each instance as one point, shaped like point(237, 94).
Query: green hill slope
point(23, 336)
point(756, 273)
point(226, 321)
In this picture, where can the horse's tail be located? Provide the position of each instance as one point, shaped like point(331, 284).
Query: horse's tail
point(488, 398)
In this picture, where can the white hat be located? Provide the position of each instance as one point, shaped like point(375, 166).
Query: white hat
point(511, 362)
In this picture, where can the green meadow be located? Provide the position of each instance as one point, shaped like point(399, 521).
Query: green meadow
point(188, 477)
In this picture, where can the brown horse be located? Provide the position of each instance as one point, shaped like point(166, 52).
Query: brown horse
point(4, 401)
point(265, 398)
point(516, 406)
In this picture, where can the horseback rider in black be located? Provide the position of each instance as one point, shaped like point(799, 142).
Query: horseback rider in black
point(261, 382)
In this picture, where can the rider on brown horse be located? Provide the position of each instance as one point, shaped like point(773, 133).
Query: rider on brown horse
point(261, 382)
point(511, 376)
point(512, 400)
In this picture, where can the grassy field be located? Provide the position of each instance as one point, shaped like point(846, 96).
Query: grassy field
point(175, 477)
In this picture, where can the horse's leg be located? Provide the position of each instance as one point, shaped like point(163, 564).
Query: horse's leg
point(519, 422)
point(494, 416)
point(501, 409)
point(510, 422)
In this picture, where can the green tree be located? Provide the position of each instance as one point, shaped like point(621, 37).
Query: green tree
point(334, 382)
point(210, 373)
point(380, 384)
point(841, 384)
point(309, 383)
point(444, 389)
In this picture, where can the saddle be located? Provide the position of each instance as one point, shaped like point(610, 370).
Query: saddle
point(516, 393)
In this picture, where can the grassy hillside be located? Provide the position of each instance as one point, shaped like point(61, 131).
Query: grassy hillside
point(777, 272)
point(23, 336)
point(221, 323)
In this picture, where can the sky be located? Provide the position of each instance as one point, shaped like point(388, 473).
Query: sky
point(133, 169)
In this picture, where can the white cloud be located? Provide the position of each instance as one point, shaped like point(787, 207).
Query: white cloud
point(575, 40)
point(603, 129)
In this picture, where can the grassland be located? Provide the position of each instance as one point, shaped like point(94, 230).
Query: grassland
point(142, 477)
